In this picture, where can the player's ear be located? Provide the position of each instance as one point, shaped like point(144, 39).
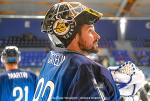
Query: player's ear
point(2, 60)
point(74, 41)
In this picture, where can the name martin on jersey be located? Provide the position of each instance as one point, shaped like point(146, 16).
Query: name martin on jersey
point(17, 75)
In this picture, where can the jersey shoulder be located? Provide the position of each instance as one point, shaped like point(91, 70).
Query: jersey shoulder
point(3, 75)
point(78, 58)
point(30, 74)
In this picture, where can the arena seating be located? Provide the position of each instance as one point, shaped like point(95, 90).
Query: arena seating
point(140, 43)
point(32, 37)
point(20, 42)
point(32, 58)
point(107, 44)
point(121, 55)
point(143, 57)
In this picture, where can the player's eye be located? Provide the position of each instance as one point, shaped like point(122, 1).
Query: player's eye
point(91, 31)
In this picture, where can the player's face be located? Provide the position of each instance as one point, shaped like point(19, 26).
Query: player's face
point(88, 39)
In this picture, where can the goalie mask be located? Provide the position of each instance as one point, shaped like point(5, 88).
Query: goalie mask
point(62, 21)
point(10, 54)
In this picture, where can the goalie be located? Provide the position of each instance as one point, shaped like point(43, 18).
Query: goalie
point(67, 74)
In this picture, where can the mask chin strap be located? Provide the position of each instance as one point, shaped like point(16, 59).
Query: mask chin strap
point(55, 41)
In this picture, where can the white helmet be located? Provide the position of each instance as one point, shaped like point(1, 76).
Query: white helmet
point(10, 54)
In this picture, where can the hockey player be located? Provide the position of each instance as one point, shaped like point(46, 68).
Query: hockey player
point(67, 74)
point(15, 84)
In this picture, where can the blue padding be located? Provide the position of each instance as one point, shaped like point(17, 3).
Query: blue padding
point(11, 59)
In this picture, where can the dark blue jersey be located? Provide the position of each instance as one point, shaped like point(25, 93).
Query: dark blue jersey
point(71, 76)
point(17, 85)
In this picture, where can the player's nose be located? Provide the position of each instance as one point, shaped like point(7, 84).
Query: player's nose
point(97, 35)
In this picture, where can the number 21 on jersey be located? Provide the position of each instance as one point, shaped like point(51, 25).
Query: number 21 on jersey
point(22, 92)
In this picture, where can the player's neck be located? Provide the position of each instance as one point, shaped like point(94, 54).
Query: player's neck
point(11, 66)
